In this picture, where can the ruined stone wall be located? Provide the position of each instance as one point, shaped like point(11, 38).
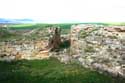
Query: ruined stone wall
point(95, 48)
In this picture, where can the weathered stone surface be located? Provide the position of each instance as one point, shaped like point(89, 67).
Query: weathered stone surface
point(100, 50)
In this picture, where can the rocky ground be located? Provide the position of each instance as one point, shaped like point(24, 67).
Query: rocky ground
point(28, 47)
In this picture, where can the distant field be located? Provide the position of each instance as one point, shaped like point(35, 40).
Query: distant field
point(23, 26)
point(116, 23)
point(33, 26)
point(64, 27)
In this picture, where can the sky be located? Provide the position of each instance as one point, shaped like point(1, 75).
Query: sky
point(62, 11)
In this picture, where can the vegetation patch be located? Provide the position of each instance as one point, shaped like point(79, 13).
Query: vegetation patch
point(49, 71)
point(89, 49)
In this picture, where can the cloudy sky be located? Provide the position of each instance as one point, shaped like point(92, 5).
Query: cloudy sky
point(53, 11)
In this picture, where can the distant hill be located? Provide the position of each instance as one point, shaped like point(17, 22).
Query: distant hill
point(6, 20)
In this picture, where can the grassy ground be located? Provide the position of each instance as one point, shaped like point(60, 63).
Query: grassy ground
point(116, 24)
point(49, 71)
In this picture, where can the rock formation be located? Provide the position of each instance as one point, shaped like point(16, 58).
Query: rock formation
point(55, 38)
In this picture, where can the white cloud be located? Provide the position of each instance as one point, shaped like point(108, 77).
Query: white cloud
point(65, 10)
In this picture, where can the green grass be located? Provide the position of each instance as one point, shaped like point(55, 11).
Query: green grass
point(84, 34)
point(65, 27)
point(116, 24)
point(32, 26)
point(89, 49)
point(21, 25)
point(49, 71)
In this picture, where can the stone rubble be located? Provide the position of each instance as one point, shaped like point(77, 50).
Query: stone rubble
point(26, 50)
